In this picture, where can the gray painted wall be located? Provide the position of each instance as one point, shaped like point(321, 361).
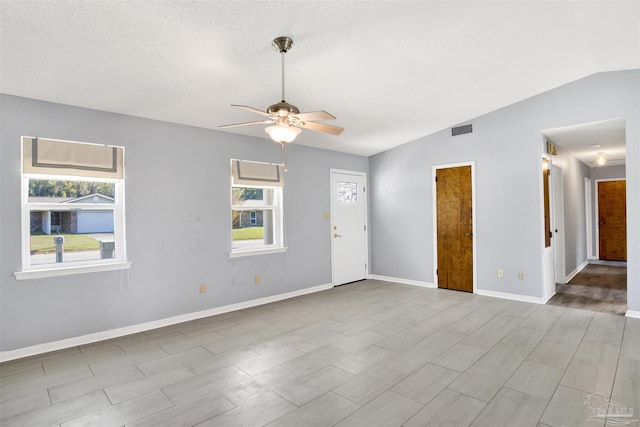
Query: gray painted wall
point(608, 172)
point(507, 147)
point(180, 241)
point(575, 222)
point(178, 225)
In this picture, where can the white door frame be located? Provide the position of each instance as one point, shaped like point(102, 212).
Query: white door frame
point(596, 218)
point(556, 198)
point(588, 206)
point(434, 169)
point(548, 258)
point(366, 218)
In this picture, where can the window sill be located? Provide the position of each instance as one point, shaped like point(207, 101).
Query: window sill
point(252, 252)
point(67, 271)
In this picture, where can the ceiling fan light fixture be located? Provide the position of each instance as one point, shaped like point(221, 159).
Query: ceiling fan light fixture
point(283, 133)
point(601, 159)
point(286, 119)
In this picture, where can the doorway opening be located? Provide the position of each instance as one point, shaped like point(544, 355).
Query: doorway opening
point(589, 279)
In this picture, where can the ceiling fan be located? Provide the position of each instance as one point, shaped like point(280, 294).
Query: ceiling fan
point(287, 120)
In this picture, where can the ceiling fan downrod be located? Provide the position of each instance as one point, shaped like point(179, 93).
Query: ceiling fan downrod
point(282, 56)
point(282, 45)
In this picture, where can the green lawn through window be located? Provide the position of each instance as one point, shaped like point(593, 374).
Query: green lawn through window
point(43, 243)
point(249, 233)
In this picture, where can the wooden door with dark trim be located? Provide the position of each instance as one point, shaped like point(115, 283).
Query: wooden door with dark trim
point(612, 220)
point(454, 228)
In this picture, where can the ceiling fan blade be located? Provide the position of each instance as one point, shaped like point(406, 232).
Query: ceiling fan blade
point(260, 122)
point(251, 109)
point(321, 127)
point(315, 115)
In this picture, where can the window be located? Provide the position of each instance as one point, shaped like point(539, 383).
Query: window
point(56, 220)
point(72, 208)
point(256, 208)
point(347, 192)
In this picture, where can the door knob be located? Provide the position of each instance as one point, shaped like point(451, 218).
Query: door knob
point(468, 234)
point(337, 235)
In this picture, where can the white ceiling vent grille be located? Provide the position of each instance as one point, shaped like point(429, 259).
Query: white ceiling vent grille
point(461, 130)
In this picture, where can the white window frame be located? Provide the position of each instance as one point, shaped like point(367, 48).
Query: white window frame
point(278, 223)
point(64, 269)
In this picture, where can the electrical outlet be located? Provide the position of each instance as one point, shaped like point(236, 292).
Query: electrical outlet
point(521, 275)
point(257, 280)
point(203, 288)
point(500, 272)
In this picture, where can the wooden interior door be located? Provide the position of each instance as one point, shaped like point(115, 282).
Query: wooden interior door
point(454, 228)
point(612, 220)
point(547, 205)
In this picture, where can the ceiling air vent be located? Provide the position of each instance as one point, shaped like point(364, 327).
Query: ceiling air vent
point(461, 130)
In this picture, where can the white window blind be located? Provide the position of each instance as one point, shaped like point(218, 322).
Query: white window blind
point(255, 174)
point(54, 157)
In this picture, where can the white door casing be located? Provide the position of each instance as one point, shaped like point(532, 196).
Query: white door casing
point(588, 206)
point(548, 256)
point(557, 223)
point(348, 226)
point(596, 217)
point(434, 205)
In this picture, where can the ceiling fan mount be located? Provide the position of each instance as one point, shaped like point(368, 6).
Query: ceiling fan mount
point(282, 44)
point(285, 118)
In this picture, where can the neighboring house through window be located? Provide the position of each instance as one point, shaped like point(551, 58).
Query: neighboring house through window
point(72, 208)
point(256, 208)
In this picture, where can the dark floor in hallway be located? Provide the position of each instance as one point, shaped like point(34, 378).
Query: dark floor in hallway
point(599, 287)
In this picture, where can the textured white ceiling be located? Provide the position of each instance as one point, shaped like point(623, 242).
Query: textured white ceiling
point(390, 71)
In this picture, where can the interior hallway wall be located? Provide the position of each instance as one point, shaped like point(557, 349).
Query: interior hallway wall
point(608, 172)
point(575, 222)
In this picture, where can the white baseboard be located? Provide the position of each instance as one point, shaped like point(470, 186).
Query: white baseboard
point(5, 356)
point(576, 271)
point(506, 295)
point(503, 295)
point(633, 313)
point(403, 281)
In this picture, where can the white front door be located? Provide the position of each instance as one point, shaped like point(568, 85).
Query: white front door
point(348, 227)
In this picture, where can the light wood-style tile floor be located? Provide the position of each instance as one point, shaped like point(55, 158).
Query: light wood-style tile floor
point(370, 353)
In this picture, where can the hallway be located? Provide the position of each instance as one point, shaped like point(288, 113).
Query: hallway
point(600, 286)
